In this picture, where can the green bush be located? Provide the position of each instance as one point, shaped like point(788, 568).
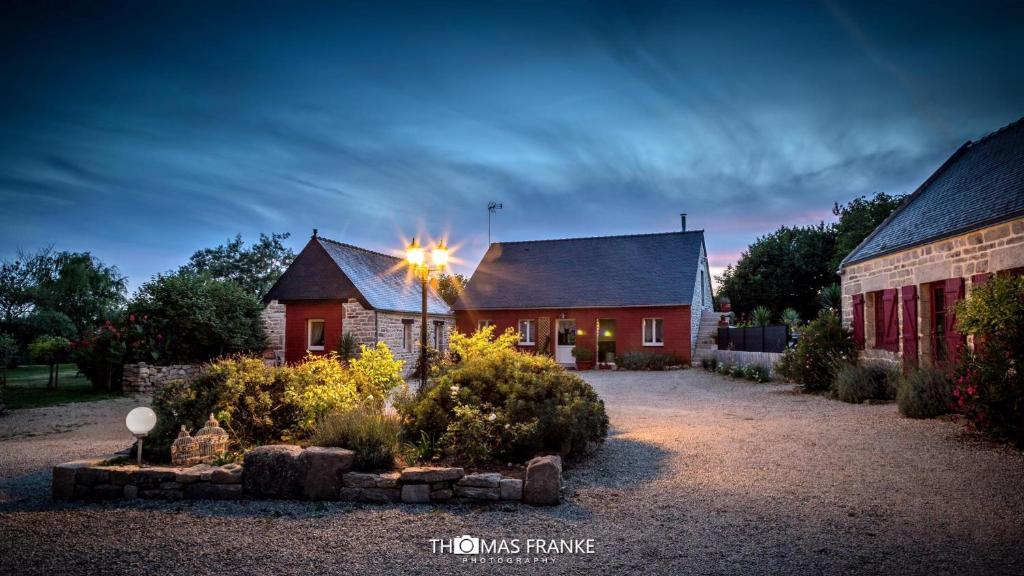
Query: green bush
point(757, 373)
point(925, 393)
point(856, 383)
point(736, 371)
point(761, 316)
point(375, 436)
point(496, 402)
point(646, 361)
point(823, 346)
point(724, 368)
point(709, 364)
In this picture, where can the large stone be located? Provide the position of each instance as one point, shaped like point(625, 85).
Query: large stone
point(193, 474)
point(272, 472)
point(322, 470)
point(349, 494)
point(416, 493)
point(485, 480)
point(441, 495)
point(107, 492)
point(207, 491)
point(359, 480)
point(511, 489)
point(476, 492)
point(380, 495)
point(388, 480)
point(92, 476)
point(543, 485)
point(122, 475)
point(153, 476)
point(64, 478)
point(429, 474)
point(227, 474)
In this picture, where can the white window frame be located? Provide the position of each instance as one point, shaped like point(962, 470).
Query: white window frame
point(654, 332)
point(438, 334)
point(481, 324)
point(531, 332)
point(309, 334)
point(407, 336)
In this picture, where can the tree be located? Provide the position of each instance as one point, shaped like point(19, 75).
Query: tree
point(8, 350)
point(784, 269)
point(255, 268)
point(50, 350)
point(16, 284)
point(78, 285)
point(195, 318)
point(858, 219)
point(450, 286)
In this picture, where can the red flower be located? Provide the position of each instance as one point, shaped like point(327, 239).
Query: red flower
point(131, 317)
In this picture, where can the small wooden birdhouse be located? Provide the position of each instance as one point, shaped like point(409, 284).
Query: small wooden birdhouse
point(184, 449)
point(212, 439)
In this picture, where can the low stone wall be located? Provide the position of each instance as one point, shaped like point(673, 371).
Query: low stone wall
point(766, 359)
point(144, 379)
point(290, 472)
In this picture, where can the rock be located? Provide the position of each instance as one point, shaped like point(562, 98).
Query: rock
point(350, 494)
point(207, 491)
point(131, 491)
point(64, 478)
point(510, 489)
point(359, 480)
point(415, 493)
point(441, 495)
point(543, 485)
point(441, 486)
point(477, 493)
point(428, 474)
point(388, 480)
point(154, 476)
point(157, 494)
point(193, 474)
point(121, 475)
point(227, 474)
point(92, 476)
point(107, 492)
point(381, 495)
point(322, 470)
point(486, 480)
point(272, 472)
point(170, 486)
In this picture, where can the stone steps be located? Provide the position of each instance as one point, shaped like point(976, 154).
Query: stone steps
point(706, 345)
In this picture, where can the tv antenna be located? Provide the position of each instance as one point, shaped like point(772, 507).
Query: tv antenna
point(492, 207)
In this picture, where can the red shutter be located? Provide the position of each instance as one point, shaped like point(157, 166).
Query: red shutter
point(954, 292)
point(910, 326)
point(979, 279)
point(858, 320)
point(890, 315)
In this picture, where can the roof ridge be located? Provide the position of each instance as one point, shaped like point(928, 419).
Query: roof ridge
point(998, 131)
point(360, 248)
point(599, 237)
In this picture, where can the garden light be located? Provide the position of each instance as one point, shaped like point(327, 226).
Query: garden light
point(416, 257)
point(140, 421)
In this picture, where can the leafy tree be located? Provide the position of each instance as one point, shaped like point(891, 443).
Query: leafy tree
point(254, 268)
point(450, 286)
point(784, 269)
point(858, 219)
point(196, 318)
point(47, 323)
point(50, 350)
point(16, 284)
point(79, 285)
point(8, 350)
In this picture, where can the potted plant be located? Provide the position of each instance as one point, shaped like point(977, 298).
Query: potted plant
point(584, 357)
point(724, 304)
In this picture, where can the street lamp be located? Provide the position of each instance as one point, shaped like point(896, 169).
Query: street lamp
point(140, 421)
point(416, 257)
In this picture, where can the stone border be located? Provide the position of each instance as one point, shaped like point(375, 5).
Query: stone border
point(316, 474)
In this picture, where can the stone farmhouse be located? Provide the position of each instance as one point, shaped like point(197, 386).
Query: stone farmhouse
point(332, 288)
point(612, 294)
point(963, 224)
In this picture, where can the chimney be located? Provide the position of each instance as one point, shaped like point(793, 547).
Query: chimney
point(314, 231)
point(682, 218)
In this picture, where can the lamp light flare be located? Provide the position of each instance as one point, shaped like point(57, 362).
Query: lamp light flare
point(414, 254)
point(439, 255)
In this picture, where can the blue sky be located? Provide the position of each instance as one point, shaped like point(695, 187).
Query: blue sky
point(144, 132)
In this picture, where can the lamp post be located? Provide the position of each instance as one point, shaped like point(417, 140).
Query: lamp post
point(416, 257)
point(139, 422)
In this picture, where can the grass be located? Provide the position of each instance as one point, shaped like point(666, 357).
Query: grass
point(26, 388)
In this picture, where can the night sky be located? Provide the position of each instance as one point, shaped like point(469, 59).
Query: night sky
point(142, 133)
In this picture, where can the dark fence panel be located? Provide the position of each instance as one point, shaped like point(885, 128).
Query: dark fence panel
point(754, 339)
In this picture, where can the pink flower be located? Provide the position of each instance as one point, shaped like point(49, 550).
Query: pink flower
point(971, 390)
point(131, 317)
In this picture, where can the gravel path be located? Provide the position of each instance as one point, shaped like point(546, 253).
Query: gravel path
point(701, 475)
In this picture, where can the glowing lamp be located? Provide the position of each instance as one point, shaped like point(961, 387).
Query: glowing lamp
point(414, 254)
point(140, 421)
point(440, 255)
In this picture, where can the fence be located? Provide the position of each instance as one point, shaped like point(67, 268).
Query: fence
point(754, 339)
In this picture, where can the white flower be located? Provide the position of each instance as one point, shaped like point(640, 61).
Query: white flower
point(492, 417)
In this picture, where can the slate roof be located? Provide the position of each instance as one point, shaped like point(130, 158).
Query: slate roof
point(608, 271)
point(380, 281)
point(981, 184)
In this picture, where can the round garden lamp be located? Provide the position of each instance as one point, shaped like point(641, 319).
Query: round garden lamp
point(140, 421)
point(416, 257)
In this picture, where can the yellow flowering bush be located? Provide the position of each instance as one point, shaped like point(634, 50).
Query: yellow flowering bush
point(376, 373)
point(322, 384)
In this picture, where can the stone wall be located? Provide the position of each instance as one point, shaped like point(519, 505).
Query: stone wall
point(274, 324)
point(699, 306)
point(290, 472)
point(391, 330)
point(144, 379)
point(986, 250)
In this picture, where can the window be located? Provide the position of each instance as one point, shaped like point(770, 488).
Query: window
point(407, 335)
point(886, 320)
point(938, 322)
point(481, 324)
point(653, 335)
point(438, 334)
point(527, 333)
point(314, 335)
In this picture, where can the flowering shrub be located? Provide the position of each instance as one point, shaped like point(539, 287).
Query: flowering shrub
point(497, 402)
point(757, 373)
point(373, 434)
point(321, 384)
point(823, 346)
point(925, 393)
point(376, 373)
point(102, 353)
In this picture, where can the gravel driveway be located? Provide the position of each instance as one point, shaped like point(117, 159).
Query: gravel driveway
point(701, 475)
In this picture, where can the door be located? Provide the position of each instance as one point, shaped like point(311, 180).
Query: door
point(566, 339)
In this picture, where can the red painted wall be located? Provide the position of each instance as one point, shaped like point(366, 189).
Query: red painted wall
point(628, 325)
point(296, 315)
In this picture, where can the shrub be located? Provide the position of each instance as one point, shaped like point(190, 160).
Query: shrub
point(709, 364)
point(736, 371)
point(374, 435)
point(321, 384)
point(824, 344)
point(856, 383)
point(989, 386)
point(347, 346)
point(761, 316)
point(50, 350)
point(646, 361)
point(791, 318)
point(724, 368)
point(376, 373)
point(925, 393)
point(757, 373)
point(510, 405)
point(582, 353)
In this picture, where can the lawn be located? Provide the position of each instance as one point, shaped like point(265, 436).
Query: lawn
point(26, 388)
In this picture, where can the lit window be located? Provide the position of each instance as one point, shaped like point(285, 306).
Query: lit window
point(315, 335)
point(484, 324)
point(653, 332)
point(438, 334)
point(527, 333)
point(407, 335)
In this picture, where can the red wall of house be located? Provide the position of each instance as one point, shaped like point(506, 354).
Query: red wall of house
point(296, 315)
point(628, 325)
